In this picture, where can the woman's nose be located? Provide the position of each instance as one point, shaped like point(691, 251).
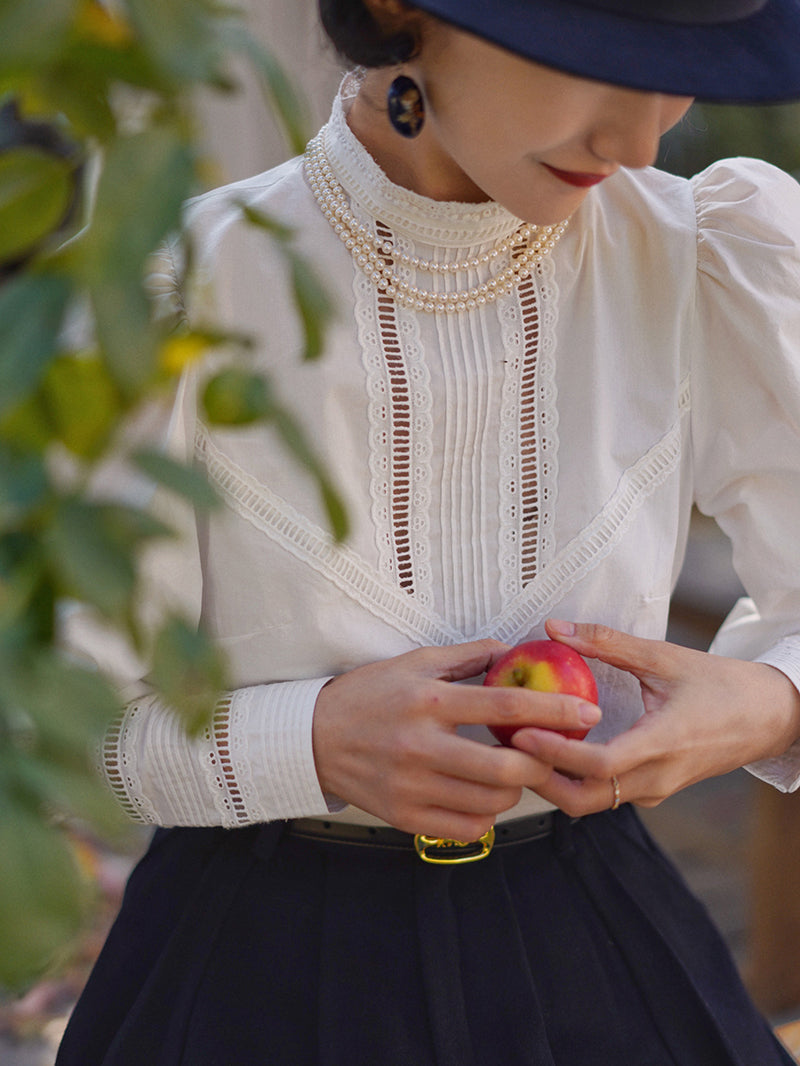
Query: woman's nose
point(629, 128)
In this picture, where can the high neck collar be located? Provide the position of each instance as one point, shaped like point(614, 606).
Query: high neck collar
point(434, 222)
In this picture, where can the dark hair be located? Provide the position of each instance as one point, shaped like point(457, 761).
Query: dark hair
point(357, 36)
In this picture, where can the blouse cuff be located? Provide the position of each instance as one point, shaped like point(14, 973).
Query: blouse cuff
point(277, 721)
point(254, 762)
point(783, 771)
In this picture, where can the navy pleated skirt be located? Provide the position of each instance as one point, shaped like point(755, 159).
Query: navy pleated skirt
point(253, 947)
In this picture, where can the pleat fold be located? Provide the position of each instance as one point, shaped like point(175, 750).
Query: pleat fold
point(372, 1006)
point(258, 948)
point(681, 964)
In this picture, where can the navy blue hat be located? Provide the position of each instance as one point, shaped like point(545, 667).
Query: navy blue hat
point(745, 51)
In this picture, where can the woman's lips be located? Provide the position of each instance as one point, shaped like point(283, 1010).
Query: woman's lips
point(577, 177)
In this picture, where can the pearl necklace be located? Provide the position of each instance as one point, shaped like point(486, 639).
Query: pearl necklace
point(376, 256)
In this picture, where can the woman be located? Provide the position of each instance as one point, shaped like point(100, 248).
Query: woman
point(545, 354)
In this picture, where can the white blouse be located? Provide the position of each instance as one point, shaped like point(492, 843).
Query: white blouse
point(538, 456)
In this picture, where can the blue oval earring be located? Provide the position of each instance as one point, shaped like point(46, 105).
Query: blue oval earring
point(406, 106)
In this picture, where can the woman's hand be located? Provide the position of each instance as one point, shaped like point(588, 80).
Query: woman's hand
point(705, 715)
point(385, 739)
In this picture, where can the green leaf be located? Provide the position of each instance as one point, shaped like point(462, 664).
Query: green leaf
point(27, 601)
point(296, 441)
point(145, 180)
point(35, 193)
point(93, 549)
point(32, 32)
point(89, 563)
point(337, 513)
point(82, 95)
point(81, 403)
point(32, 308)
point(26, 426)
point(276, 229)
point(310, 296)
point(42, 895)
point(239, 397)
point(72, 789)
point(126, 335)
point(184, 480)
point(313, 305)
point(236, 397)
point(68, 705)
point(183, 37)
point(23, 481)
point(188, 670)
point(27, 617)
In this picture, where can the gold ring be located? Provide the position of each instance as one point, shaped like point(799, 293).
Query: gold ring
point(617, 797)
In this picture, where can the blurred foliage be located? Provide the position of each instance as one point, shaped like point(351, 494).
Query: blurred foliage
point(714, 131)
point(98, 151)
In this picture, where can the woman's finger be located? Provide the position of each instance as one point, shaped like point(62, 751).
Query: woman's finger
point(488, 764)
point(636, 655)
point(653, 737)
point(470, 797)
point(579, 797)
point(646, 786)
point(517, 707)
point(451, 662)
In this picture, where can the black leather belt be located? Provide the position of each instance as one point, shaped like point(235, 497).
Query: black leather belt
point(430, 849)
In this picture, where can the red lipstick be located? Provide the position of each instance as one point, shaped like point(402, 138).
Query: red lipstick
point(576, 177)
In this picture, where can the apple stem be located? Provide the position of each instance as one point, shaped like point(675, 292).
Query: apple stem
point(519, 676)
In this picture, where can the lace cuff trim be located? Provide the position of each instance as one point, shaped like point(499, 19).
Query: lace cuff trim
point(253, 763)
point(118, 765)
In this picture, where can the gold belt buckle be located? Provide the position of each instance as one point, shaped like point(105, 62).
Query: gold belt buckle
point(444, 852)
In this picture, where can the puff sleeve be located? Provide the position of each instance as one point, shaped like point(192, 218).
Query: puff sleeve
point(746, 409)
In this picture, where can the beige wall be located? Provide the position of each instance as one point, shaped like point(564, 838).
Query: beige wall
point(241, 135)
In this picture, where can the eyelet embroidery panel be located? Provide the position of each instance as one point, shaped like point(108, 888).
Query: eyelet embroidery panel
point(463, 452)
point(400, 438)
point(438, 453)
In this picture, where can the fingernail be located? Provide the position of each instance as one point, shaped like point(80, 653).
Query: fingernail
point(589, 714)
point(564, 629)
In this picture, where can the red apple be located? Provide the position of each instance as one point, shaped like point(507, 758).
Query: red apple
point(545, 666)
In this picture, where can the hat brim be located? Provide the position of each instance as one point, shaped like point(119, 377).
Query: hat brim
point(751, 60)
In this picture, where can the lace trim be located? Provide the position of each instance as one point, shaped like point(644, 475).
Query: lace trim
point(312, 545)
point(224, 778)
point(228, 783)
point(431, 221)
point(528, 433)
point(597, 540)
point(400, 417)
point(547, 410)
point(117, 764)
point(359, 581)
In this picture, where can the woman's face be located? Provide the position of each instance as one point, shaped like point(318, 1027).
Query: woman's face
point(530, 137)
